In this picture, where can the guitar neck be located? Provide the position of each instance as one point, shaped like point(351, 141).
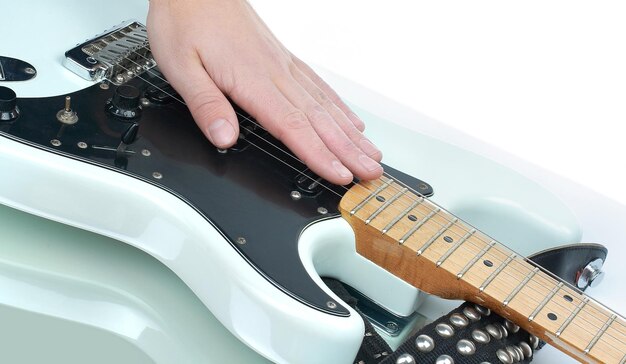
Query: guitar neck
point(436, 252)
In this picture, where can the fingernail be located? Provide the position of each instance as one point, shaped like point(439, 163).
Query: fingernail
point(358, 123)
point(368, 163)
point(221, 132)
point(341, 170)
point(368, 147)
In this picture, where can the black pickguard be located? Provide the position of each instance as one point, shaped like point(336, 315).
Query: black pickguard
point(244, 193)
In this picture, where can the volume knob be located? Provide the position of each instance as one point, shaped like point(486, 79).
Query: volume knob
point(125, 102)
point(8, 104)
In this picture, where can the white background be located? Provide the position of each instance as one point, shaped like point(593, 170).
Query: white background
point(544, 80)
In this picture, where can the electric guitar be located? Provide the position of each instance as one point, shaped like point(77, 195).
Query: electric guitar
point(250, 230)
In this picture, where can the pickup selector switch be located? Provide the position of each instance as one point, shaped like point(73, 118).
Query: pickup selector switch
point(8, 104)
point(125, 103)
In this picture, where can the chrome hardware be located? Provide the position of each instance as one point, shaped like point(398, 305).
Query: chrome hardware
point(480, 336)
point(504, 356)
point(465, 347)
point(405, 359)
point(66, 115)
point(118, 55)
point(494, 331)
point(591, 275)
point(534, 341)
point(459, 320)
point(444, 359)
point(526, 349)
point(444, 330)
point(471, 313)
point(424, 343)
point(513, 328)
point(483, 310)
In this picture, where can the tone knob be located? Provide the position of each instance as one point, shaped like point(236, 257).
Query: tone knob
point(8, 104)
point(125, 102)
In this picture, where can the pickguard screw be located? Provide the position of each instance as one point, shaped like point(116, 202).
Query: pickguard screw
point(55, 142)
point(104, 86)
point(146, 153)
point(82, 145)
point(392, 326)
point(144, 101)
point(322, 210)
point(241, 240)
point(222, 151)
point(157, 175)
point(422, 186)
point(29, 70)
point(295, 195)
point(332, 305)
point(119, 78)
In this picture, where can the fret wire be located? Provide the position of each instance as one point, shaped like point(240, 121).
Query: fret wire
point(599, 334)
point(493, 275)
point(623, 361)
point(475, 259)
point(437, 235)
point(545, 301)
point(571, 317)
point(385, 205)
point(417, 193)
point(455, 247)
point(371, 196)
point(418, 225)
point(519, 287)
point(402, 214)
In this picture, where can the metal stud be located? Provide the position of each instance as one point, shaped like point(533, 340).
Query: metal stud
point(424, 343)
point(471, 313)
point(526, 349)
point(482, 310)
point(533, 341)
point(480, 336)
point(465, 347)
point(405, 359)
point(444, 330)
point(503, 330)
point(504, 356)
point(513, 353)
point(493, 331)
point(513, 328)
point(444, 359)
point(459, 320)
point(520, 352)
point(295, 195)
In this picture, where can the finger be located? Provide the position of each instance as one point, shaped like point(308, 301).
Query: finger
point(208, 105)
point(355, 135)
point(291, 126)
point(308, 71)
point(329, 131)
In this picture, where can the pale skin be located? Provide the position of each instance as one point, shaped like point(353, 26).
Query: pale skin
point(210, 49)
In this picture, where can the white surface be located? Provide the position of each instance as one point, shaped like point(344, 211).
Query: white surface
point(544, 80)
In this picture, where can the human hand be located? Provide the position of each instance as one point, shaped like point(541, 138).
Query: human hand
point(211, 48)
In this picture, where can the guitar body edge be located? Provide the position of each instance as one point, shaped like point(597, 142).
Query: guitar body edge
point(153, 220)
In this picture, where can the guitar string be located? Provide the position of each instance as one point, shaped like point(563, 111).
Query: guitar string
point(415, 192)
point(301, 172)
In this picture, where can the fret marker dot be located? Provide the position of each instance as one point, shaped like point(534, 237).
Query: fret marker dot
point(448, 239)
point(412, 217)
point(488, 263)
point(568, 298)
point(552, 316)
point(380, 198)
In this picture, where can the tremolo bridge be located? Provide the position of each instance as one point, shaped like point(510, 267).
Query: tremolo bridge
point(118, 55)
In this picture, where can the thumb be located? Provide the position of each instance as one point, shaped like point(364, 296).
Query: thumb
point(209, 107)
